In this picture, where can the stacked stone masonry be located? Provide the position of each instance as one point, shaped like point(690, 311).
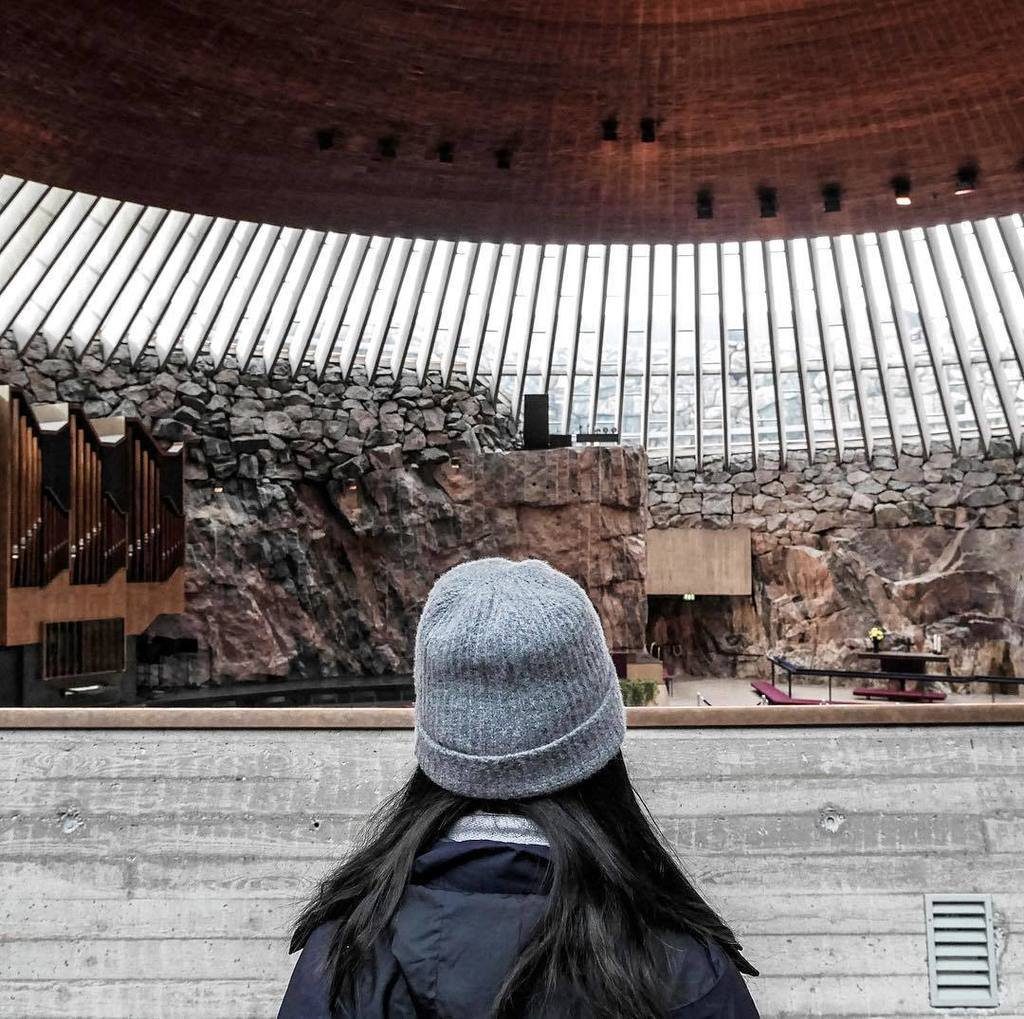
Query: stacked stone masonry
point(792, 501)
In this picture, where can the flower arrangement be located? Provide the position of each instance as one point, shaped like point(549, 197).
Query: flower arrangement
point(876, 635)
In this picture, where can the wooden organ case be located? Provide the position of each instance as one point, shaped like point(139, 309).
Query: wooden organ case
point(92, 533)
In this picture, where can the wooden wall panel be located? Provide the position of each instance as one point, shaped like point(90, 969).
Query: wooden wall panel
point(697, 560)
point(62, 601)
point(154, 873)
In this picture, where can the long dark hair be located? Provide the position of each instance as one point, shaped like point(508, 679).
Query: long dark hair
point(616, 889)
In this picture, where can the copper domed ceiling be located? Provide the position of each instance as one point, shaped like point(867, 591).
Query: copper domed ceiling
point(486, 120)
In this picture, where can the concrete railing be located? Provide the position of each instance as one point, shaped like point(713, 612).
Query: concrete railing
point(755, 715)
point(151, 860)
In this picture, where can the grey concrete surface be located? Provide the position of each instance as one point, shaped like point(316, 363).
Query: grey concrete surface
point(153, 875)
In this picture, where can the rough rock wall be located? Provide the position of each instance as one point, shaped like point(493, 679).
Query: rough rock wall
point(294, 573)
point(922, 547)
point(304, 580)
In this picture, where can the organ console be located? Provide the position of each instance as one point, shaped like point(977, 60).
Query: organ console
point(92, 537)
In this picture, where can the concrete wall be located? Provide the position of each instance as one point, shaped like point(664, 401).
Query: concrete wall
point(153, 874)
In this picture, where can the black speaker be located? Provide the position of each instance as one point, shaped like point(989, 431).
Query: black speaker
point(535, 421)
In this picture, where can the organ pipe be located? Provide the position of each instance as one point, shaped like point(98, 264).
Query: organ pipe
point(38, 523)
point(96, 532)
point(91, 508)
point(156, 535)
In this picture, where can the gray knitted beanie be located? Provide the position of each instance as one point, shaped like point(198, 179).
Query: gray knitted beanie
point(516, 693)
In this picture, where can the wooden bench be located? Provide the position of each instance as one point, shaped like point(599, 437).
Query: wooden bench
point(773, 695)
point(889, 694)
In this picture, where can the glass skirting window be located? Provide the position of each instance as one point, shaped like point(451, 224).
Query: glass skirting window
point(898, 340)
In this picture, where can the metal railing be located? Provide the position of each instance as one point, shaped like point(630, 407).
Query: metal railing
point(792, 669)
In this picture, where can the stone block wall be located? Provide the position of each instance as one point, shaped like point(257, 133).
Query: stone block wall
point(919, 546)
point(251, 427)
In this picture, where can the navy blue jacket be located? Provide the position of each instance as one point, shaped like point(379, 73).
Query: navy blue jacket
point(467, 912)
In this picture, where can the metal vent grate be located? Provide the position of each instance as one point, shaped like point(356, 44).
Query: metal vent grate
point(84, 647)
point(961, 950)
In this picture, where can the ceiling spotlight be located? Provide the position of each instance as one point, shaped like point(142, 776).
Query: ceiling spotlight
point(901, 189)
point(610, 129)
point(769, 201)
point(324, 139)
point(388, 146)
point(446, 152)
point(832, 197)
point(705, 204)
point(966, 179)
point(503, 157)
point(647, 129)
